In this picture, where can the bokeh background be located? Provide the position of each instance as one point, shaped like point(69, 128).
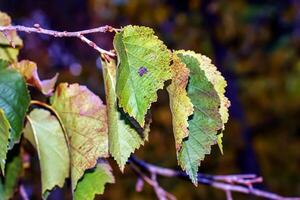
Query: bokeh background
point(254, 43)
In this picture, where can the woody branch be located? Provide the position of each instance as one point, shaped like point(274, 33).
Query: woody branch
point(77, 34)
point(241, 183)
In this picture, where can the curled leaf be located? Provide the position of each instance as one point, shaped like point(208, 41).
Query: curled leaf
point(29, 71)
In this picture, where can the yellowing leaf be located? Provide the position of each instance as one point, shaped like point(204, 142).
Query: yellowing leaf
point(219, 83)
point(123, 138)
point(180, 103)
point(9, 54)
point(142, 69)
point(94, 181)
point(215, 77)
point(4, 139)
point(10, 36)
point(44, 132)
point(206, 121)
point(219, 141)
point(29, 71)
point(85, 120)
point(8, 39)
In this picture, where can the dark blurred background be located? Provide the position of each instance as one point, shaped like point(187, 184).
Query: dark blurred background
point(254, 43)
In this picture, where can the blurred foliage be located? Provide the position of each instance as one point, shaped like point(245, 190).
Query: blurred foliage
point(254, 43)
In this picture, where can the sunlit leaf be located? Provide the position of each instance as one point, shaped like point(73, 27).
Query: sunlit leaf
point(84, 118)
point(4, 139)
point(14, 100)
point(123, 138)
point(180, 104)
point(206, 120)
point(29, 71)
point(142, 69)
point(46, 135)
point(93, 182)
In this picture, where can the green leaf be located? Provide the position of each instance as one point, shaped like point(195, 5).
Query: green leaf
point(219, 83)
point(93, 182)
point(44, 132)
point(14, 100)
point(142, 69)
point(84, 118)
point(4, 139)
point(123, 139)
point(9, 182)
point(7, 52)
point(180, 104)
point(215, 77)
point(206, 121)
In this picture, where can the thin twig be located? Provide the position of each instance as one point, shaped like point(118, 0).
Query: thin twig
point(23, 193)
point(76, 34)
point(228, 195)
point(241, 183)
point(159, 191)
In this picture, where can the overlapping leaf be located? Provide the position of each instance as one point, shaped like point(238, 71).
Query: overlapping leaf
point(219, 83)
point(12, 174)
point(7, 52)
point(29, 71)
point(44, 132)
point(206, 121)
point(180, 104)
point(4, 139)
point(142, 69)
point(85, 120)
point(123, 138)
point(14, 100)
point(93, 182)
point(215, 77)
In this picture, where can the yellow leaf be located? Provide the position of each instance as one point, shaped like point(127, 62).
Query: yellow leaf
point(180, 103)
point(84, 118)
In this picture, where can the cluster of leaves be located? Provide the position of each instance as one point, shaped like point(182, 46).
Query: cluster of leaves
point(76, 132)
